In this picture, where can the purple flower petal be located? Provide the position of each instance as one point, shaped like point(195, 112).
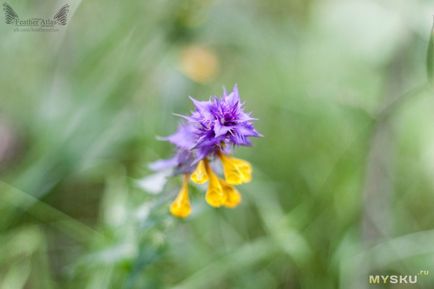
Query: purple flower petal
point(215, 125)
point(182, 138)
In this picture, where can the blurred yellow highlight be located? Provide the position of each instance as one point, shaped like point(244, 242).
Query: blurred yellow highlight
point(199, 63)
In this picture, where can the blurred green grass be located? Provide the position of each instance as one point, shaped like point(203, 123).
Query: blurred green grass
point(338, 192)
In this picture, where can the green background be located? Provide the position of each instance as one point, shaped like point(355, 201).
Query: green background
point(343, 177)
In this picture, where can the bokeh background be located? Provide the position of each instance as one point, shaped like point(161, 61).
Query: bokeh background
point(343, 177)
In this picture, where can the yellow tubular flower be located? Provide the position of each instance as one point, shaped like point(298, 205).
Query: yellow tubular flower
point(200, 175)
point(236, 171)
point(233, 197)
point(181, 207)
point(214, 196)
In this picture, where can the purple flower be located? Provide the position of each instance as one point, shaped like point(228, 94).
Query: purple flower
point(212, 129)
point(220, 123)
point(215, 125)
point(183, 161)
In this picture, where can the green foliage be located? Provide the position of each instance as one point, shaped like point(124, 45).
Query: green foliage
point(342, 183)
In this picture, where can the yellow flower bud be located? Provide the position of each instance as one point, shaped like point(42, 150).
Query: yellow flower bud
point(236, 171)
point(200, 175)
point(233, 197)
point(214, 196)
point(181, 207)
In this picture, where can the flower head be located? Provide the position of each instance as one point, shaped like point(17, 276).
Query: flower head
point(220, 123)
point(212, 129)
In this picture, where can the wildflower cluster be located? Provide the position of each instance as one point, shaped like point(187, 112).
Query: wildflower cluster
point(208, 134)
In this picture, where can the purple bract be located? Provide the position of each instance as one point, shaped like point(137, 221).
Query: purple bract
point(215, 125)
